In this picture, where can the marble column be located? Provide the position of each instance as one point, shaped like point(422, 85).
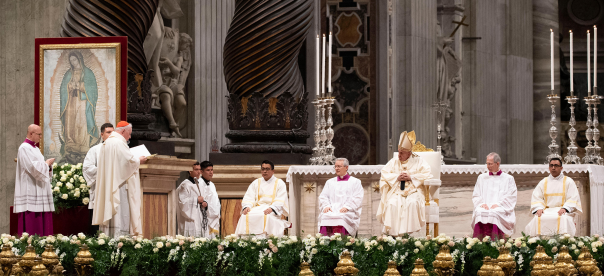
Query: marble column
point(545, 17)
point(211, 22)
point(22, 21)
point(414, 70)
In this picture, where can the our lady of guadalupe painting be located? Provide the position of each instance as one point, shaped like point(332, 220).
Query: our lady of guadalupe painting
point(80, 88)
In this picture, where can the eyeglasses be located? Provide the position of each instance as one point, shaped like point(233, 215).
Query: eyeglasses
point(265, 169)
point(338, 167)
point(554, 166)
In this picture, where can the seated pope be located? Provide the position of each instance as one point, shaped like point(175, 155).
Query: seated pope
point(263, 205)
point(340, 202)
point(402, 203)
point(555, 203)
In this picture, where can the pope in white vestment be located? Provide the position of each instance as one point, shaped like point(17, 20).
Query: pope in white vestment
point(340, 202)
point(494, 201)
point(117, 208)
point(402, 204)
point(555, 203)
point(263, 205)
point(199, 206)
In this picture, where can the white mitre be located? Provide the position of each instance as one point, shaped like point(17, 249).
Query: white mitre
point(406, 141)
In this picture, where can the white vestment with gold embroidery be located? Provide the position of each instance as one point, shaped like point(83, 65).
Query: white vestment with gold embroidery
point(261, 195)
point(551, 194)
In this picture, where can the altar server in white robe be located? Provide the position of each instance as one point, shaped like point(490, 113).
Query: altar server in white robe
point(555, 203)
point(199, 206)
point(89, 171)
point(33, 195)
point(340, 202)
point(117, 208)
point(494, 201)
point(402, 205)
point(263, 205)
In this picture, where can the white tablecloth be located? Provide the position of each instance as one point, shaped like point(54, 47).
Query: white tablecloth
point(596, 176)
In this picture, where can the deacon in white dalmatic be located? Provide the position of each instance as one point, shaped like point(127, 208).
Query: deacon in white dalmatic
point(263, 205)
point(402, 205)
point(494, 201)
point(555, 203)
point(340, 202)
point(117, 207)
point(89, 171)
point(199, 206)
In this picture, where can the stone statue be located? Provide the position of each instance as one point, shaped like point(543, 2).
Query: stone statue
point(152, 45)
point(448, 66)
point(174, 68)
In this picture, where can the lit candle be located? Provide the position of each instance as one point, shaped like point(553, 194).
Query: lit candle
point(588, 64)
point(572, 86)
point(329, 67)
point(318, 60)
point(551, 36)
point(595, 59)
point(323, 68)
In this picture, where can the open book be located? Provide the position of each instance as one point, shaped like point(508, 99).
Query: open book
point(139, 151)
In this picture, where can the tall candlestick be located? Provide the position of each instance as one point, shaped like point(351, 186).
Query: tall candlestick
point(572, 86)
point(588, 64)
point(551, 36)
point(318, 67)
point(595, 59)
point(329, 67)
point(323, 70)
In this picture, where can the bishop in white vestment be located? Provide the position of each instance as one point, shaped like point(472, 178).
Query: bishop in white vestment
point(263, 205)
point(89, 171)
point(199, 206)
point(555, 203)
point(33, 195)
point(494, 201)
point(340, 202)
point(117, 208)
point(402, 204)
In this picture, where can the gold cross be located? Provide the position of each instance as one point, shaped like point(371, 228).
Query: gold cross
point(459, 24)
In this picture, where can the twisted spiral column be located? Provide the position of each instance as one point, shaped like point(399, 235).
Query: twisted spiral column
point(262, 46)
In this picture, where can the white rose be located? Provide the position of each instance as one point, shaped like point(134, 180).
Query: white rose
point(137, 246)
point(71, 180)
point(159, 244)
point(63, 179)
point(83, 186)
point(57, 190)
point(69, 186)
point(415, 251)
point(314, 251)
point(86, 201)
point(59, 184)
point(418, 243)
point(69, 173)
point(64, 196)
point(581, 244)
point(101, 241)
point(469, 246)
point(54, 165)
point(155, 250)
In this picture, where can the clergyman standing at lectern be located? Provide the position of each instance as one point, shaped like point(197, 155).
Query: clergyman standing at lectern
point(33, 194)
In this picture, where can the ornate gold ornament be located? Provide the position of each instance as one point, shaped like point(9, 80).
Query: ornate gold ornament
point(542, 263)
point(376, 187)
point(444, 265)
point(565, 266)
point(392, 271)
point(305, 270)
point(490, 268)
point(309, 187)
point(50, 258)
point(28, 260)
point(506, 261)
point(83, 261)
point(346, 265)
point(586, 264)
point(419, 269)
point(419, 147)
point(39, 269)
point(7, 260)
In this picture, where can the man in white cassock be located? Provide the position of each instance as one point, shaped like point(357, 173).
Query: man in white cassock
point(555, 203)
point(402, 205)
point(199, 206)
point(117, 207)
point(89, 171)
point(263, 205)
point(33, 195)
point(340, 202)
point(494, 201)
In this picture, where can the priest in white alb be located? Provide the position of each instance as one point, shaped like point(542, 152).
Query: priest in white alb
point(340, 202)
point(555, 203)
point(199, 206)
point(117, 208)
point(263, 205)
point(89, 171)
point(33, 195)
point(494, 201)
point(402, 205)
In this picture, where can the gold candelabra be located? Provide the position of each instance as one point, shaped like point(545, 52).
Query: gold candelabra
point(419, 269)
point(444, 265)
point(305, 270)
point(392, 271)
point(346, 265)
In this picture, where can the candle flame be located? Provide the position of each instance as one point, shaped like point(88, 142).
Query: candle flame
point(551, 30)
point(570, 31)
point(595, 27)
point(329, 33)
point(587, 31)
point(323, 35)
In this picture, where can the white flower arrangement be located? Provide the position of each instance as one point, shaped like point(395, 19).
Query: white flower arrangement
point(69, 186)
